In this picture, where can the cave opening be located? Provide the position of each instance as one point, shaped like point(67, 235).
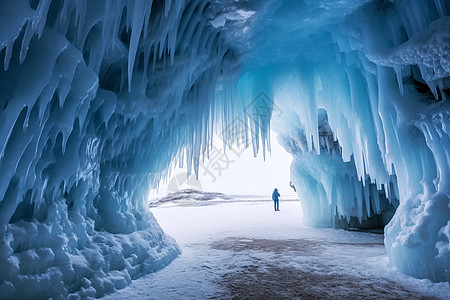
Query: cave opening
point(234, 170)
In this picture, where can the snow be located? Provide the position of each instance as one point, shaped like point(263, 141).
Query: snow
point(428, 49)
point(246, 250)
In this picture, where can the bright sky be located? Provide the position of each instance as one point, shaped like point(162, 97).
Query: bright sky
point(237, 173)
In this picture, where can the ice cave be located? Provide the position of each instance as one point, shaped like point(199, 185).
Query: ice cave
point(98, 99)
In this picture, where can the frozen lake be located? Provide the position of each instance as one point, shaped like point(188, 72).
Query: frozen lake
point(248, 251)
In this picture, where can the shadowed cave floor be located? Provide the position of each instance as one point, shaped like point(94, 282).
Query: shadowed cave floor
point(247, 251)
point(278, 278)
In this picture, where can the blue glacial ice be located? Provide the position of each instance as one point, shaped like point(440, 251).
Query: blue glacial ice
point(99, 98)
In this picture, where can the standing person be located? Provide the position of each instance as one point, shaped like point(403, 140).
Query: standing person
point(276, 203)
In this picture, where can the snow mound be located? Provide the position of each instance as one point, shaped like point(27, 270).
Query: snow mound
point(188, 197)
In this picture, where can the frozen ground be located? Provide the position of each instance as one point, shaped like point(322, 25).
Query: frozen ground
point(247, 251)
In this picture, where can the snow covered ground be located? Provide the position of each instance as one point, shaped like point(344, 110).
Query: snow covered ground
point(248, 251)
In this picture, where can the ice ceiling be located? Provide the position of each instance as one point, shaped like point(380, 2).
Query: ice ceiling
point(98, 97)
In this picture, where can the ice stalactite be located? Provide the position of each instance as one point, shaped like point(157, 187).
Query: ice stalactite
point(331, 193)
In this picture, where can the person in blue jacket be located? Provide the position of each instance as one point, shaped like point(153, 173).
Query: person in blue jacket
point(276, 203)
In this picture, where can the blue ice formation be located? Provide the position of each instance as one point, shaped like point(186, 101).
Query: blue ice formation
point(98, 98)
point(367, 121)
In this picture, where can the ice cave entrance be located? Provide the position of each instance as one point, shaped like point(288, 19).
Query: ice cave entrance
point(235, 172)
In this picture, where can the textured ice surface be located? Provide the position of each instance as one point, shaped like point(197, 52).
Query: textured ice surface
point(99, 97)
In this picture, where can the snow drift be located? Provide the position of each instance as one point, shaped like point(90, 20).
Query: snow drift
point(99, 97)
point(191, 197)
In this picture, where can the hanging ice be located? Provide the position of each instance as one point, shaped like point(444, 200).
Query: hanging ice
point(99, 97)
point(380, 79)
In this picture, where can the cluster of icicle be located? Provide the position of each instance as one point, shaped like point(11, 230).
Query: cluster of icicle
point(97, 98)
point(367, 120)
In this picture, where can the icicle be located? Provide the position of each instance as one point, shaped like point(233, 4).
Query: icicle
point(440, 7)
point(40, 16)
point(366, 194)
point(434, 89)
point(398, 72)
point(25, 42)
point(80, 13)
point(440, 86)
point(8, 54)
point(167, 5)
point(137, 24)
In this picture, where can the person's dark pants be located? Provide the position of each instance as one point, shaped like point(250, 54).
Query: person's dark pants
point(276, 205)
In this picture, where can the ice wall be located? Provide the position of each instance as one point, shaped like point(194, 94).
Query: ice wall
point(379, 71)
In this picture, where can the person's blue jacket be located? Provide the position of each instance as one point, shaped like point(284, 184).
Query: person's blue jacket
point(275, 195)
